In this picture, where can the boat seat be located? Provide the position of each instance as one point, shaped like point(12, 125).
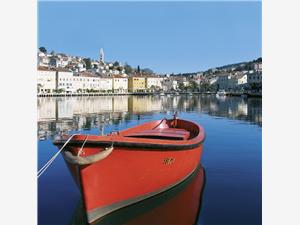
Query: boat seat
point(162, 133)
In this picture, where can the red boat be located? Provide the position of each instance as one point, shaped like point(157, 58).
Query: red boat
point(180, 205)
point(126, 167)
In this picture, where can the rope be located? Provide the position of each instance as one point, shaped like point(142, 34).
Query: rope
point(159, 123)
point(80, 151)
point(44, 168)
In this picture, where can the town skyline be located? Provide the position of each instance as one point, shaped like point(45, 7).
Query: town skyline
point(196, 41)
point(101, 51)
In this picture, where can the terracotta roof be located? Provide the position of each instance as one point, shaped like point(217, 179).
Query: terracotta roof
point(153, 76)
point(45, 68)
point(87, 74)
point(119, 76)
point(62, 69)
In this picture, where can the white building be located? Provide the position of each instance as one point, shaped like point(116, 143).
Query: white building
point(65, 80)
point(242, 79)
point(154, 81)
point(213, 80)
point(46, 80)
point(120, 84)
point(43, 61)
point(105, 83)
point(226, 81)
point(169, 84)
point(86, 81)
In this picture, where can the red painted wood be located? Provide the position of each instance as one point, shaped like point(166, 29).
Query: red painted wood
point(130, 172)
point(181, 209)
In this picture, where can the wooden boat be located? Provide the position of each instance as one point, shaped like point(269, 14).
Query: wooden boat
point(177, 206)
point(122, 168)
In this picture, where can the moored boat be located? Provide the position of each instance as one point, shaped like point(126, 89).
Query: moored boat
point(125, 167)
point(221, 93)
point(179, 205)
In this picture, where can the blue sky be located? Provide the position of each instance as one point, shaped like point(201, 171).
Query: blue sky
point(168, 37)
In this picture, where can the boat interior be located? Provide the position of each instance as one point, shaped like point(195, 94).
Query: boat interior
point(166, 130)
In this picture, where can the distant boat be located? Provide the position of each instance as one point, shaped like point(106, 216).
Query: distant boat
point(221, 93)
point(122, 168)
point(190, 94)
point(176, 93)
point(162, 94)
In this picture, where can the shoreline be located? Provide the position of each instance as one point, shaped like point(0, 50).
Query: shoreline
point(259, 95)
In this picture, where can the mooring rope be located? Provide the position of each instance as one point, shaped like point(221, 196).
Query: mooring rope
point(44, 168)
point(80, 151)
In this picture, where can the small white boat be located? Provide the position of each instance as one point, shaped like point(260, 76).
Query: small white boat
point(162, 94)
point(221, 93)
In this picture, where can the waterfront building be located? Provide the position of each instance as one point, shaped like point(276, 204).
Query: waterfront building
point(154, 82)
point(86, 81)
point(242, 79)
point(226, 81)
point(64, 80)
point(119, 84)
point(46, 80)
point(136, 84)
point(170, 84)
point(254, 77)
point(105, 83)
point(213, 80)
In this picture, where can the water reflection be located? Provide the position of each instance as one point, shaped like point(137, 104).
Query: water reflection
point(62, 114)
point(179, 205)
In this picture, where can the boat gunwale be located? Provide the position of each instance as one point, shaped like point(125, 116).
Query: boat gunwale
point(143, 143)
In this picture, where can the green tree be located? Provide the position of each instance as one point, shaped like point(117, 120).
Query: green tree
point(120, 68)
point(147, 70)
point(138, 69)
point(181, 86)
point(128, 69)
point(204, 86)
point(116, 64)
point(43, 49)
point(193, 85)
point(88, 64)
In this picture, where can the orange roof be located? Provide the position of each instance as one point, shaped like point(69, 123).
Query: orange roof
point(45, 68)
point(119, 76)
point(87, 74)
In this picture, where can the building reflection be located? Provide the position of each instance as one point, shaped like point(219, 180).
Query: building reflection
point(62, 114)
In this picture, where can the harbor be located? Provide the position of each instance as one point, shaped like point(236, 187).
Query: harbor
point(233, 128)
point(247, 94)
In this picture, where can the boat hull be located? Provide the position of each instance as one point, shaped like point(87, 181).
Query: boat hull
point(122, 168)
point(128, 176)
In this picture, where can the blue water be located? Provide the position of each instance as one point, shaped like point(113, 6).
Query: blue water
point(231, 157)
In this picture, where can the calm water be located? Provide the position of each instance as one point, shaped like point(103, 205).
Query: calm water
point(230, 190)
